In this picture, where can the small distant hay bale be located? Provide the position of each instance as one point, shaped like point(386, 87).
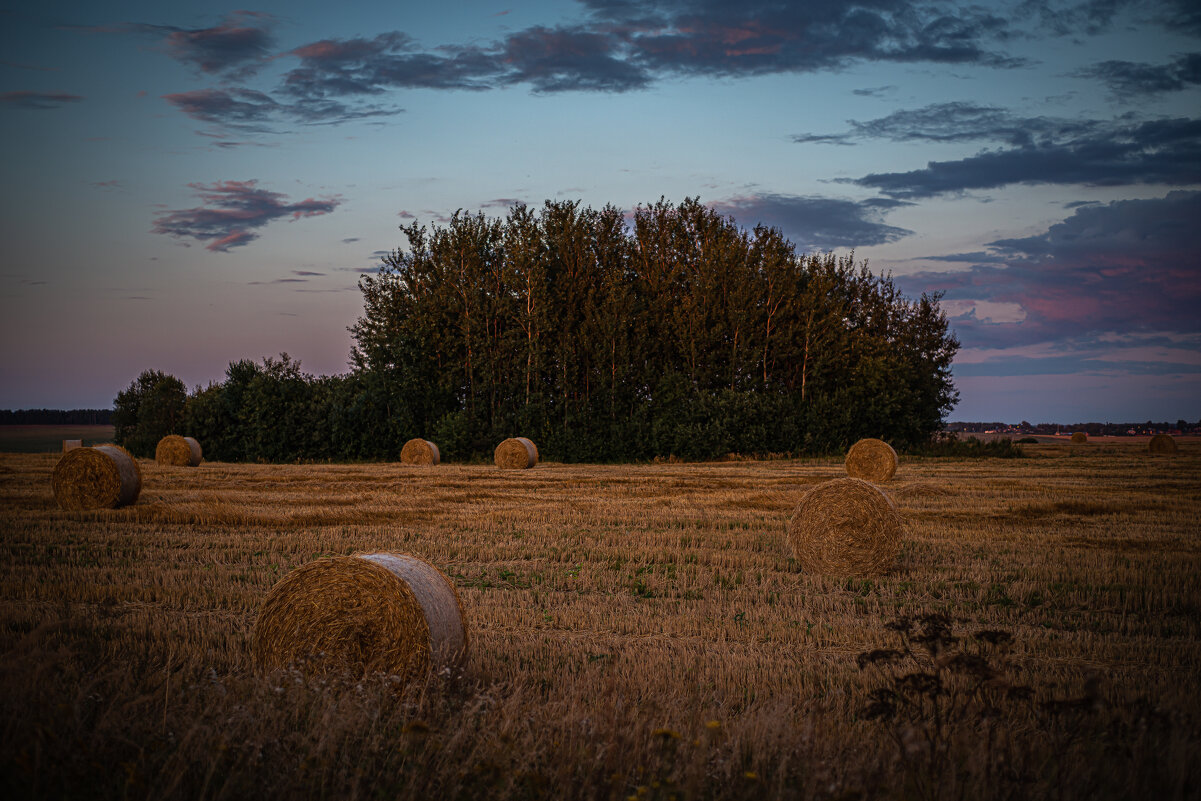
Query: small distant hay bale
point(420, 451)
point(846, 527)
point(872, 460)
point(516, 453)
point(373, 613)
point(177, 451)
point(71, 444)
point(1079, 436)
point(1162, 443)
point(102, 477)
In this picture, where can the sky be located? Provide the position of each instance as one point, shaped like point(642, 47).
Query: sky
point(187, 185)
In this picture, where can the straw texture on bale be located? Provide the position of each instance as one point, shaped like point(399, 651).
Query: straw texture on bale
point(846, 527)
point(1079, 436)
point(871, 460)
point(516, 453)
point(103, 477)
point(71, 444)
point(370, 613)
point(178, 451)
point(1162, 443)
point(420, 451)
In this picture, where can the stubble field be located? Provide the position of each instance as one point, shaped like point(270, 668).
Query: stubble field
point(636, 631)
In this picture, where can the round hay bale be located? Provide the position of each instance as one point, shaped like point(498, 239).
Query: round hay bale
point(529, 443)
point(1162, 443)
point(71, 444)
point(420, 451)
point(871, 460)
point(516, 453)
point(369, 613)
point(177, 451)
point(846, 527)
point(1079, 436)
point(103, 477)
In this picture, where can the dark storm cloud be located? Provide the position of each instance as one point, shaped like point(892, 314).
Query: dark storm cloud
point(1132, 80)
point(817, 223)
point(1127, 266)
point(1166, 152)
point(37, 101)
point(232, 210)
point(237, 46)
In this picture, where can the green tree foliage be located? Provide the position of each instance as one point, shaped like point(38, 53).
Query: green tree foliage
point(601, 337)
point(679, 333)
point(147, 410)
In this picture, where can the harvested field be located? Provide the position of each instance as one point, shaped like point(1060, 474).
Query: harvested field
point(636, 630)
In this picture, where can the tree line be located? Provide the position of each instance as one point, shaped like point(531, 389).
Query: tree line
point(601, 337)
point(56, 417)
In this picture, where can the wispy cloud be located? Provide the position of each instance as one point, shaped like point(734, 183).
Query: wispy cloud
point(232, 212)
point(1129, 79)
point(1118, 153)
point(817, 223)
point(37, 101)
point(253, 111)
point(958, 121)
point(235, 48)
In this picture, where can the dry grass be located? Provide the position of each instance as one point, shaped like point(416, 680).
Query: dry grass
point(635, 631)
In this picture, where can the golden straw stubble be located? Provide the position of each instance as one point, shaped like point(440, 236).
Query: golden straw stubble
point(871, 459)
point(1162, 443)
point(371, 613)
point(846, 527)
point(516, 453)
point(102, 477)
point(420, 452)
point(177, 451)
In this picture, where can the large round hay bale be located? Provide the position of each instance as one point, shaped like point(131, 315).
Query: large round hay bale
point(420, 451)
point(1162, 443)
point(529, 444)
point(370, 613)
point(1079, 436)
point(516, 453)
point(103, 477)
point(846, 527)
point(177, 451)
point(71, 444)
point(871, 460)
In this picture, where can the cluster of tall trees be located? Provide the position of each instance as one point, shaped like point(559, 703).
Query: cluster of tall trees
point(602, 338)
